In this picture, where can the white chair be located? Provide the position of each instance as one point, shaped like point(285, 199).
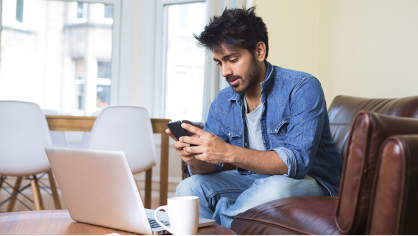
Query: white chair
point(59, 138)
point(24, 133)
point(127, 129)
point(86, 135)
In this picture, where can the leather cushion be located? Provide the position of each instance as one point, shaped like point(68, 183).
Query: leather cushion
point(296, 215)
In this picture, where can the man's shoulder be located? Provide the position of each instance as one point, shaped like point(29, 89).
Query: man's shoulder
point(287, 80)
point(289, 74)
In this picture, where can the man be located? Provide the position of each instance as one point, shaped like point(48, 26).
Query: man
point(271, 123)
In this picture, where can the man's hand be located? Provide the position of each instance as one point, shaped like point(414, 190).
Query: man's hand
point(186, 157)
point(209, 147)
point(197, 166)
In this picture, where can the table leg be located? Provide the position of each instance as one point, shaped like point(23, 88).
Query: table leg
point(148, 189)
point(164, 166)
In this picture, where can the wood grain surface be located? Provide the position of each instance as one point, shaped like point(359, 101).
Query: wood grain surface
point(59, 222)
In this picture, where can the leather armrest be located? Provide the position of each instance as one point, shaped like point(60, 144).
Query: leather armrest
point(394, 206)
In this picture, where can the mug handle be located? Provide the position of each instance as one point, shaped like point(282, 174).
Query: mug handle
point(158, 221)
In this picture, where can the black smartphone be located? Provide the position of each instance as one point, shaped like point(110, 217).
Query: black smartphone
point(177, 130)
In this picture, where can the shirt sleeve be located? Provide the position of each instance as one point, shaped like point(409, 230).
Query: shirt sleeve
point(307, 114)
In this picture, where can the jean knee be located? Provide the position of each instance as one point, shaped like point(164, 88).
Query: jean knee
point(189, 187)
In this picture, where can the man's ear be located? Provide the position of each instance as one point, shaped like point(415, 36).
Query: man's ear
point(260, 51)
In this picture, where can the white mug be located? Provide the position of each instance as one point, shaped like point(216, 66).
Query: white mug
point(183, 213)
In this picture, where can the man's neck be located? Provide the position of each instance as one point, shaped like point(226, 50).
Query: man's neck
point(253, 93)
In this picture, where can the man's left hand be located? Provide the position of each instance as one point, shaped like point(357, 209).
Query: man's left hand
point(209, 147)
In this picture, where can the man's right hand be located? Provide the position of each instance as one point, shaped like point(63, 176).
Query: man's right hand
point(188, 158)
point(197, 166)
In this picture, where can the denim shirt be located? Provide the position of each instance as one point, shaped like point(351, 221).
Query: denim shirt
point(294, 124)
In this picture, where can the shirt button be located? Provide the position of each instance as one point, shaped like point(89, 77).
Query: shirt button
point(229, 134)
point(280, 133)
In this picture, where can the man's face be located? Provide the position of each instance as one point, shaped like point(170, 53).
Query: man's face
point(238, 66)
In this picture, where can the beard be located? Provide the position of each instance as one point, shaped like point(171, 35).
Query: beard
point(250, 77)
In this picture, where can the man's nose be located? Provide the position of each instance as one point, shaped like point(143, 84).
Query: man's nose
point(226, 71)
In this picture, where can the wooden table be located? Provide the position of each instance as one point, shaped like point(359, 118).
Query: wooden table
point(59, 222)
point(85, 123)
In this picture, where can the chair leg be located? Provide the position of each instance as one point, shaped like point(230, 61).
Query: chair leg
point(54, 190)
point(1, 181)
point(16, 188)
point(148, 183)
point(37, 198)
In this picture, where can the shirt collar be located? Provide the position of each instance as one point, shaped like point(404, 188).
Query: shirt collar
point(265, 85)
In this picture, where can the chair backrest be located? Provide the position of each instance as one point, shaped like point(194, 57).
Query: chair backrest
point(59, 138)
point(394, 206)
point(127, 129)
point(342, 110)
point(24, 134)
point(86, 135)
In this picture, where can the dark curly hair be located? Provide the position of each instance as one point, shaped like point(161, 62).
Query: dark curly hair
point(235, 27)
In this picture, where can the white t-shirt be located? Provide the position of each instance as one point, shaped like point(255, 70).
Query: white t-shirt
point(252, 119)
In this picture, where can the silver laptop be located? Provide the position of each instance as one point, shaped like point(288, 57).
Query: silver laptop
point(98, 188)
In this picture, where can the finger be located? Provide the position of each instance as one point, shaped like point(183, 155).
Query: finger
point(192, 150)
point(168, 131)
point(193, 129)
point(192, 140)
point(180, 145)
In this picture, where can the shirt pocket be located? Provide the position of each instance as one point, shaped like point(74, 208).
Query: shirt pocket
point(278, 132)
point(234, 137)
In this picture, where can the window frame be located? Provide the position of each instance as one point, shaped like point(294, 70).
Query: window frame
point(160, 45)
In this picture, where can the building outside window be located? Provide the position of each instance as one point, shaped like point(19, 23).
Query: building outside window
point(57, 62)
point(81, 10)
point(103, 84)
point(108, 11)
point(19, 10)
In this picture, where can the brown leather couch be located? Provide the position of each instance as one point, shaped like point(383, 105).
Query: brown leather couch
point(369, 196)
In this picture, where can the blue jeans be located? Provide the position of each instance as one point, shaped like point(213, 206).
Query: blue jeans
point(226, 194)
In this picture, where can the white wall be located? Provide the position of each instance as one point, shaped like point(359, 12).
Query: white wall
point(364, 48)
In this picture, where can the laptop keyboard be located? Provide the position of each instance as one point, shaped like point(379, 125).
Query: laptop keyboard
point(154, 223)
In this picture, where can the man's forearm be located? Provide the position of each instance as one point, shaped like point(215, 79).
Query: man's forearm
point(203, 167)
point(262, 162)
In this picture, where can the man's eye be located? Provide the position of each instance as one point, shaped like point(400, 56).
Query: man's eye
point(234, 60)
point(219, 64)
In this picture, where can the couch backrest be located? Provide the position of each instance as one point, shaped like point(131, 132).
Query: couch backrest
point(365, 137)
point(343, 109)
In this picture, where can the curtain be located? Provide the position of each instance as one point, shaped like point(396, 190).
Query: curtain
point(214, 82)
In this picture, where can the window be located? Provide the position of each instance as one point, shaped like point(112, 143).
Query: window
point(79, 81)
point(103, 84)
point(17, 14)
point(81, 10)
point(184, 62)
point(58, 63)
point(19, 11)
point(108, 11)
